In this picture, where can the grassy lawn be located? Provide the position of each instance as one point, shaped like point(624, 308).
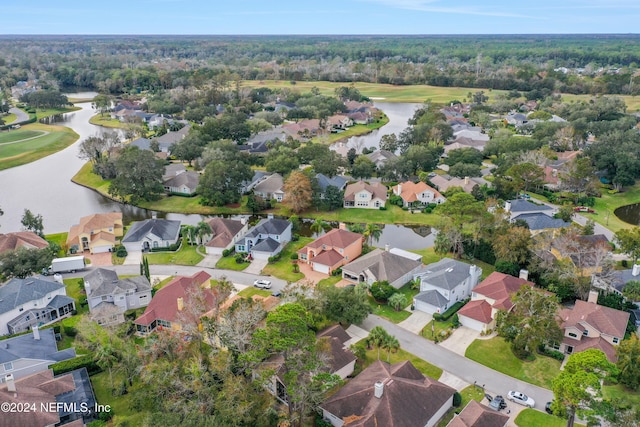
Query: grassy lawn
point(329, 281)
point(496, 354)
point(186, 255)
point(58, 138)
point(60, 239)
point(283, 269)
point(161, 284)
point(87, 178)
point(119, 404)
point(608, 203)
point(393, 215)
point(532, 418)
point(18, 135)
point(468, 394)
point(9, 118)
point(42, 113)
point(438, 328)
point(229, 263)
point(106, 121)
point(423, 366)
point(252, 290)
point(76, 291)
point(388, 312)
point(625, 397)
point(354, 130)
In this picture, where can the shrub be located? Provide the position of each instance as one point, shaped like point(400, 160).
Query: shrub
point(121, 252)
point(295, 237)
point(337, 272)
point(85, 361)
point(625, 263)
point(381, 291)
point(551, 353)
point(398, 301)
point(227, 252)
point(294, 257)
point(383, 208)
point(240, 258)
point(70, 331)
point(457, 399)
point(395, 200)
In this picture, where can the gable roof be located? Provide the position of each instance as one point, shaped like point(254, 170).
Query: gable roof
point(21, 239)
point(163, 228)
point(337, 181)
point(164, 304)
point(381, 156)
point(410, 190)
point(90, 223)
point(27, 347)
point(266, 245)
point(521, 205)
point(17, 291)
point(271, 184)
point(499, 287)
point(337, 238)
point(340, 356)
point(376, 189)
point(189, 178)
point(606, 320)
point(432, 297)
point(446, 273)
point(223, 231)
point(476, 414)
point(479, 310)
point(335, 331)
point(269, 226)
point(105, 282)
point(409, 398)
point(383, 265)
point(541, 221)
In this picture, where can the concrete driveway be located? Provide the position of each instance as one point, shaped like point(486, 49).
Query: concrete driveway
point(416, 322)
point(460, 340)
point(256, 266)
point(133, 258)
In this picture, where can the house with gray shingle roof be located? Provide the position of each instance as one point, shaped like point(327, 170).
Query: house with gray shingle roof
point(444, 283)
point(109, 297)
point(35, 300)
point(520, 206)
point(30, 353)
point(340, 182)
point(539, 221)
point(270, 187)
point(151, 233)
point(266, 239)
point(184, 184)
point(379, 265)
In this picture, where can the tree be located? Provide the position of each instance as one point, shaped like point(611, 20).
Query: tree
point(464, 155)
point(390, 344)
point(526, 176)
point(98, 149)
point(463, 170)
point(189, 148)
point(460, 208)
point(333, 198)
point(297, 192)
point(363, 167)
point(629, 241)
point(628, 353)
point(398, 301)
point(237, 324)
point(318, 226)
point(389, 142)
point(376, 338)
point(24, 262)
point(281, 160)
point(513, 245)
point(372, 232)
point(346, 305)
point(631, 290)
point(33, 223)
point(531, 322)
point(222, 180)
point(565, 213)
point(138, 176)
point(578, 385)
point(102, 103)
point(202, 229)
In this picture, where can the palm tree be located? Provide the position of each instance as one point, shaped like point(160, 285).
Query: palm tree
point(202, 229)
point(106, 358)
point(390, 343)
point(190, 232)
point(356, 228)
point(372, 233)
point(377, 337)
point(318, 226)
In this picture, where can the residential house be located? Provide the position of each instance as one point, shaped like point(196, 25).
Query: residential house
point(259, 143)
point(417, 194)
point(166, 307)
point(339, 122)
point(109, 297)
point(365, 196)
point(380, 265)
point(332, 250)
point(586, 253)
point(476, 414)
point(516, 119)
point(151, 233)
point(381, 157)
point(95, 233)
point(464, 143)
point(491, 295)
point(589, 325)
point(339, 182)
point(21, 239)
point(172, 170)
point(520, 206)
point(35, 300)
point(224, 234)
point(70, 395)
point(389, 395)
point(444, 283)
point(343, 361)
point(172, 137)
point(258, 176)
point(271, 187)
point(28, 354)
point(618, 279)
point(184, 184)
point(265, 239)
point(443, 183)
point(304, 129)
point(539, 222)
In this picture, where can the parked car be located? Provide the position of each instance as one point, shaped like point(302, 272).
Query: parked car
point(498, 403)
point(521, 398)
point(584, 209)
point(262, 284)
point(276, 294)
point(547, 408)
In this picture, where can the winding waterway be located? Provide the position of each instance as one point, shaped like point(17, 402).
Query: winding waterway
point(45, 186)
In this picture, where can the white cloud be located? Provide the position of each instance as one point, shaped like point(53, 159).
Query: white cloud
point(431, 6)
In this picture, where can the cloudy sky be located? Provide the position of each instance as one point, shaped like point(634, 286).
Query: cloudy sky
point(319, 17)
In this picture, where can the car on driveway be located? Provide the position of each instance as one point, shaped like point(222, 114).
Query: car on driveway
point(521, 398)
point(498, 403)
point(262, 284)
point(548, 409)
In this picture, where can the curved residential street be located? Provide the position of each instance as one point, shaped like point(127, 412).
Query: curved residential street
point(21, 116)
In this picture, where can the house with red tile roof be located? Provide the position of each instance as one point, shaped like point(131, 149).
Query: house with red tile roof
point(492, 294)
point(332, 250)
point(164, 310)
point(478, 415)
point(21, 239)
point(396, 395)
point(589, 325)
point(364, 195)
point(417, 193)
point(95, 233)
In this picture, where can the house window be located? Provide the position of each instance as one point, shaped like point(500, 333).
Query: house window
point(556, 346)
point(143, 296)
point(615, 340)
point(585, 333)
point(8, 366)
point(240, 248)
point(572, 335)
point(155, 244)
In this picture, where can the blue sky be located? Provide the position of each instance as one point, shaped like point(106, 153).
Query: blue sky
point(319, 17)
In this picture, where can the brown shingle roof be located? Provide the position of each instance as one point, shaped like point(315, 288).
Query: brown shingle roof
point(21, 239)
point(586, 343)
point(376, 189)
point(410, 190)
point(479, 310)
point(409, 398)
point(500, 287)
point(95, 222)
point(478, 415)
point(329, 258)
point(335, 331)
point(606, 320)
point(223, 231)
point(336, 238)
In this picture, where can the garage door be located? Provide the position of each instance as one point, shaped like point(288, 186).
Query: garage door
point(320, 268)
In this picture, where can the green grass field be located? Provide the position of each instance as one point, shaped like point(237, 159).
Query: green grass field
point(187, 255)
point(106, 121)
point(229, 263)
point(532, 418)
point(9, 118)
point(388, 312)
point(46, 112)
point(283, 269)
point(251, 291)
point(626, 398)
point(18, 135)
point(496, 354)
point(20, 153)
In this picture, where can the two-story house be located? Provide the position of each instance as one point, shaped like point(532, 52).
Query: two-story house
point(224, 234)
point(444, 283)
point(109, 297)
point(266, 239)
point(589, 325)
point(332, 250)
point(21, 239)
point(365, 196)
point(417, 194)
point(492, 294)
point(270, 187)
point(95, 233)
point(35, 300)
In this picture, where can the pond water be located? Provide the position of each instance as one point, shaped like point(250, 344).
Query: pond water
point(629, 213)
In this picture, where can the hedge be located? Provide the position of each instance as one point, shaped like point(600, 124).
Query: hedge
point(84, 361)
point(170, 248)
point(449, 313)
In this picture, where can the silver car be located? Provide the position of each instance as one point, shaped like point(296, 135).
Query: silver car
point(521, 398)
point(262, 284)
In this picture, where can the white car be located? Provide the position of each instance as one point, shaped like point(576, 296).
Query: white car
point(262, 284)
point(521, 398)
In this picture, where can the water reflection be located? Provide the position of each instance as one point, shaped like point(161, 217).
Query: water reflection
point(629, 213)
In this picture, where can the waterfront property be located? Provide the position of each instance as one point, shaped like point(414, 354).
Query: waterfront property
point(332, 250)
point(95, 233)
point(151, 233)
point(266, 239)
point(364, 195)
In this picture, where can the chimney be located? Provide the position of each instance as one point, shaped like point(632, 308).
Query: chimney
point(270, 216)
point(11, 384)
point(636, 270)
point(473, 270)
point(593, 297)
point(378, 389)
point(507, 206)
point(36, 332)
point(399, 192)
point(554, 172)
point(386, 247)
point(524, 274)
point(180, 303)
point(466, 180)
point(342, 226)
